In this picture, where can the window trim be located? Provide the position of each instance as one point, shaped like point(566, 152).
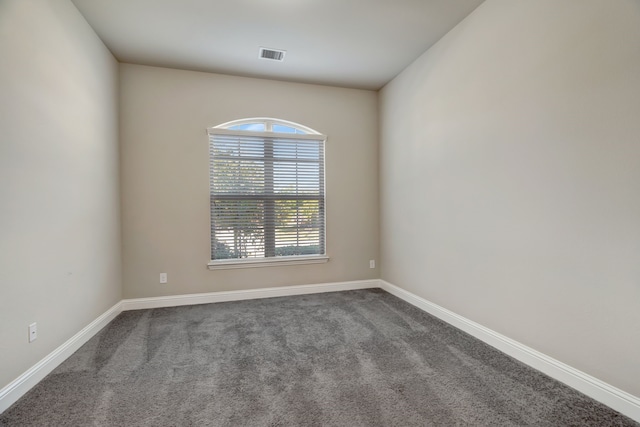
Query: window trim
point(225, 264)
point(309, 134)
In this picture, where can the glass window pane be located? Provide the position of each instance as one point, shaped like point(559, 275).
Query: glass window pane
point(239, 229)
point(285, 129)
point(297, 227)
point(256, 127)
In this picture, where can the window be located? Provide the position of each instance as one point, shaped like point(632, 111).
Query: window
point(266, 181)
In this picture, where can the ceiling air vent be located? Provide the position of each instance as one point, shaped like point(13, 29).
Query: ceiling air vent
point(273, 54)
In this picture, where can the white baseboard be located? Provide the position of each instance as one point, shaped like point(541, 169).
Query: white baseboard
point(613, 397)
point(607, 394)
point(213, 297)
point(18, 387)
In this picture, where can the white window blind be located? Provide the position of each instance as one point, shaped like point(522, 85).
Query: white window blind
point(266, 194)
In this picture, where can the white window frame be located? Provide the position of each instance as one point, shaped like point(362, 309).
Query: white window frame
point(306, 133)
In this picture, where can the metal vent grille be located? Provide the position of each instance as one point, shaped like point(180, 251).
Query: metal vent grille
point(272, 54)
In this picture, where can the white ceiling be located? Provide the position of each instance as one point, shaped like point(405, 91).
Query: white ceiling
point(352, 43)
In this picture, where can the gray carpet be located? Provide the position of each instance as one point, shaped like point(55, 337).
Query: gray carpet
point(358, 358)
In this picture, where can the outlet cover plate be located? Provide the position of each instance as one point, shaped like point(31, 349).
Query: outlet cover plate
point(33, 332)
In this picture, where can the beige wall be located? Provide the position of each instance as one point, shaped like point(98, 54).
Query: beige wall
point(165, 176)
point(59, 210)
point(510, 178)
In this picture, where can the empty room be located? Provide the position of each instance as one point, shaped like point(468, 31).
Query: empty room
point(320, 213)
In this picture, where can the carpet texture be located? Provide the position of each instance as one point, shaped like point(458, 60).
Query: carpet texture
point(357, 358)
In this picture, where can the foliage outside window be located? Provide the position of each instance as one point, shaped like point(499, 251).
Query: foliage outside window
point(266, 191)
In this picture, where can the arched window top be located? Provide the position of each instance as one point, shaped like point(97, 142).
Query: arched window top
point(266, 125)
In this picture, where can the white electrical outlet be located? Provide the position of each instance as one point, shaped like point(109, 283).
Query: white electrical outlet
point(33, 332)
point(372, 263)
point(163, 277)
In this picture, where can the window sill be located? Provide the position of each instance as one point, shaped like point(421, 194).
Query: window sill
point(267, 262)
